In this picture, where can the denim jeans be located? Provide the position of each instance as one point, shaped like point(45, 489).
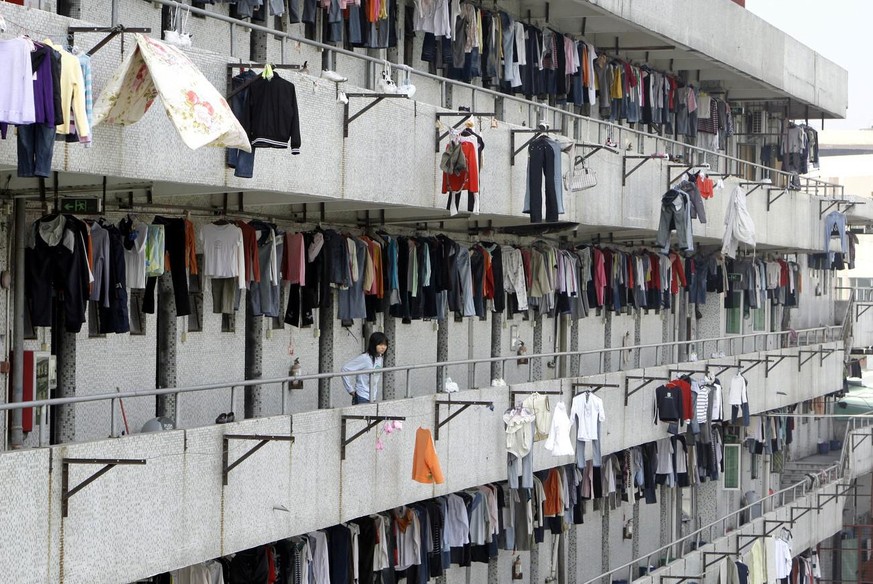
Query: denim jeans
point(36, 146)
point(735, 412)
point(357, 400)
point(541, 168)
point(241, 161)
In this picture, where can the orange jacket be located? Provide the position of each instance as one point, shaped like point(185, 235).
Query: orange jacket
point(425, 463)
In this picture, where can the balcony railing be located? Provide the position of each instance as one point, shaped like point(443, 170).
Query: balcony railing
point(664, 353)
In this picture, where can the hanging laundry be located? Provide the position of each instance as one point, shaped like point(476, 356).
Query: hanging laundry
point(199, 112)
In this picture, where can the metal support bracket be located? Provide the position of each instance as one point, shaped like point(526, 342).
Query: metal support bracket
point(112, 30)
point(801, 361)
point(376, 97)
point(857, 443)
point(464, 117)
point(721, 555)
point(646, 379)
point(822, 211)
point(771, 199)
point(832, 496)
point(861, 308)
point(751, 536)
point(777, 359)
point(516, 392)
point(672, 373)
point(805, 510)
point(371, 423)
point(754, 363)
point(757, 186)
point(464, 405)
point(685, 168)
point(592, 387)
point(778, 522)
point(721, 368)
point(595, 148)
point(108, 464)
point(823, 354)
point(227, 466)
point(643, 158)
point(536, 134)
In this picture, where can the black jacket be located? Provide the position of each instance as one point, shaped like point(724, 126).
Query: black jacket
point(270, 117)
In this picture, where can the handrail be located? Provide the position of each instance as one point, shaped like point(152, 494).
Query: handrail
point(838, 470)
point(810, 181)
point(828, 332)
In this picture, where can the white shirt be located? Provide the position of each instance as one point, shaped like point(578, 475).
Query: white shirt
point(320, 562)
point(457, 524)
point(559, 441)
point(783, 558)
point(665, 456)
point(222, 251)
point(737, 394)
point(135, 258)
point(587, 410)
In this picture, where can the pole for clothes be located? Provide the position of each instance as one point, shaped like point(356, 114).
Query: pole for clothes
point(16, 431)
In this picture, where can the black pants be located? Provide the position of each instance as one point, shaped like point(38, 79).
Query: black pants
point(542, 163)
point(174, 237)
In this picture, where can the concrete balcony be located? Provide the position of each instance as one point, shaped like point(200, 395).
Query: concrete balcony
point(174, 511)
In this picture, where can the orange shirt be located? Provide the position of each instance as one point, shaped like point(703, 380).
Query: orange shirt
point(553, 506)
point(425, 463)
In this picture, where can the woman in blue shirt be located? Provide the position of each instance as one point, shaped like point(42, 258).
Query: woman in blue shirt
point(363, 387)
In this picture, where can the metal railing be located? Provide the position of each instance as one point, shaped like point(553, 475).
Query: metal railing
point(732, 165)
point(729, 523)
point(664, 354)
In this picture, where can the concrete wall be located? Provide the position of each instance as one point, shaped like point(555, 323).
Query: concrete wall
point(174, 512)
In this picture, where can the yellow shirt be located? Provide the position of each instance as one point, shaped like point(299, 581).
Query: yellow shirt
point(72, 93)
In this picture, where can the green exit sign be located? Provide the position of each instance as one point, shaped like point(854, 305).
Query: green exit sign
point(86, 205)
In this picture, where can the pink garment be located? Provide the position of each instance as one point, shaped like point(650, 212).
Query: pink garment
point(294, 264)
point(571, 56)
point(599, 276)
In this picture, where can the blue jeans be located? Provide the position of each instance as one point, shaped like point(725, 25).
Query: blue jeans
point(36, 146)
point(358, 400)
point(241, 161)
point(735, 412)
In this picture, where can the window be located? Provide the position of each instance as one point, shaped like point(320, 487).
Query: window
point(731, 475)
point(759, 319)
point(733, 313)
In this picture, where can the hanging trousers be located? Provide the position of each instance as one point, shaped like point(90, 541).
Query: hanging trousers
point(174, 232)
point(541, 162)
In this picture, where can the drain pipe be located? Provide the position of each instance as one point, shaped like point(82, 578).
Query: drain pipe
point(16, 432)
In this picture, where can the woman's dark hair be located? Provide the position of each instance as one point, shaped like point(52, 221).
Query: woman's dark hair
point(376, 339)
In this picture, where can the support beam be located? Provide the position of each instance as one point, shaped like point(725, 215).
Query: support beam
point(449, 403)
point(376, 97)
point(108, 464)
point(646, 380)
point(325, 347)
point(254, 353)
point(263, 439)
point(165, 370)
point(371, 423)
